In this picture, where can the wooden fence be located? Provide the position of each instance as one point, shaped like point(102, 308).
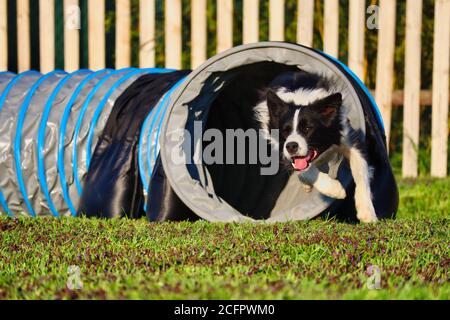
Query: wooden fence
point(411, 97)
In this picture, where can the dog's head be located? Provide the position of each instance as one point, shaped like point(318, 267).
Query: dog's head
point(307, 128)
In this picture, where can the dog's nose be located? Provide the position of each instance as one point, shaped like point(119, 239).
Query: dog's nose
point(292, 147)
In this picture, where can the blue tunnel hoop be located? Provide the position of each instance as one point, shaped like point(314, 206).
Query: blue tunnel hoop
point(148, 128)
point(2, 102)
point(41, 139)
point(99, 109)
point(102, 103)
point(61, 140)
point(18, 138)
point(79, 122)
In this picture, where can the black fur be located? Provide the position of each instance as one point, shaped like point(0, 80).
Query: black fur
point(293, 80)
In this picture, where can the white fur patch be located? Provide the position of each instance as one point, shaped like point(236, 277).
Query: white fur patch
point(323, 183)
point(295, 122)
point(361, 175)
point(303, 97)
point(296, 137)
point(262, 116)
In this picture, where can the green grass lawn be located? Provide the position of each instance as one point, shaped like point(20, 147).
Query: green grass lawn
point(298, 260)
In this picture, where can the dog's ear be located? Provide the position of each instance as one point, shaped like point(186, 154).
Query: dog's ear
point(329, 108)
point(274, 104)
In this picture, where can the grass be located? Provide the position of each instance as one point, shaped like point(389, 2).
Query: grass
point(298, 260)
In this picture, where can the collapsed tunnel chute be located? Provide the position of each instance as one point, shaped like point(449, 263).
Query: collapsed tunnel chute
point(65, 139)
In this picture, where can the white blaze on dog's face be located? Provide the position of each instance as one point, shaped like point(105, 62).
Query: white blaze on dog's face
point(295, 144)
point(308, 121)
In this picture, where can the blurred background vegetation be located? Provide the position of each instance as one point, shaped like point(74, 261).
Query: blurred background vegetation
point(290, 36)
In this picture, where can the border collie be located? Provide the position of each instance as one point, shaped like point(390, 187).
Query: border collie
point(307, 110)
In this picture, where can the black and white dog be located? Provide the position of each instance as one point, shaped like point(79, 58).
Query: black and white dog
point(307, 110)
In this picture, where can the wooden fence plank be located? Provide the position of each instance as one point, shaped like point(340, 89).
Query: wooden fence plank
point(198, 32)
point(224, 25)
point(173, 40)
point(356, 30)
point(385, 62)
point(439, 131)
point(71, 35)
point(47, 35)
point(123, 33)
point(23, 35)
point(250, 21)
point(331, 28)
point(147, 33)
point(411, 111)
point(3, 35)
point(276, 20)
point(398, 98)
point(305, 22)
point(96, 38)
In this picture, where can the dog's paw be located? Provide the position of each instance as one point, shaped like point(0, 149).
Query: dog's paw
point(307, 188)
point(366, 214)
point(340, 191)
point(332, 188)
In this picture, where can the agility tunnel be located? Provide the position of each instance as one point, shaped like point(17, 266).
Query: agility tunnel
point(103, 143)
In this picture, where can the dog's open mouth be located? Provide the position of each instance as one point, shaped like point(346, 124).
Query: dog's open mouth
point(302, 163)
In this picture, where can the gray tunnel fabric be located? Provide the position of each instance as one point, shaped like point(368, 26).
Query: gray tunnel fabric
point(49, 124)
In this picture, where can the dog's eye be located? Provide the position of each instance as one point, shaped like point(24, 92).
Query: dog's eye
point(307, 129)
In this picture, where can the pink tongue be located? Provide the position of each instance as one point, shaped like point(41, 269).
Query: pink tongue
point(301, 163)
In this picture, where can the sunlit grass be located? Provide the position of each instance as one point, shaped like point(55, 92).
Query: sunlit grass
point(297, 260)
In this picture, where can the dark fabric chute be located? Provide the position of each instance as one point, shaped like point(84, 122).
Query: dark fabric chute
point(163, 204)
point(113, 187)
point(383, 185)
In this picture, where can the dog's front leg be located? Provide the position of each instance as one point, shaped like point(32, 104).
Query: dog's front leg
point(361, 176)
point(322, 182)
